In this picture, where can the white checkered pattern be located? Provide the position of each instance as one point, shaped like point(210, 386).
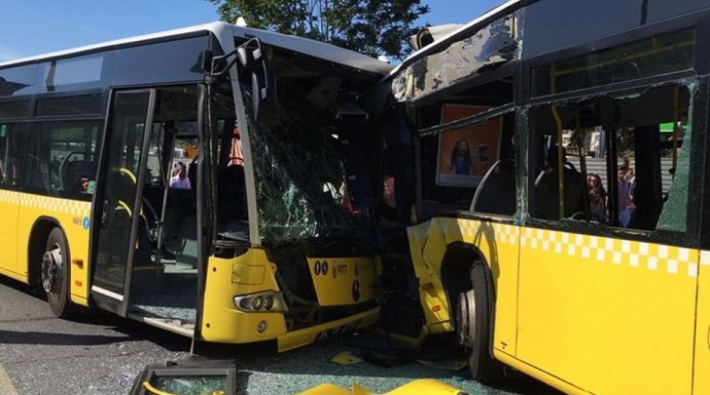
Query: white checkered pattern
point(639, 255)
point(56, 205)
point(9, 196)
point(47, 204)
point(672, 260)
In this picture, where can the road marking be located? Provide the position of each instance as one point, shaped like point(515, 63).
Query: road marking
point(6, 387)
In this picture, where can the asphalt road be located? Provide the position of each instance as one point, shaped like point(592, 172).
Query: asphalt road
point(100, 354)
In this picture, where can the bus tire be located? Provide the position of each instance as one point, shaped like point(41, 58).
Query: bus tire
point(474, 318)
point(55, 275)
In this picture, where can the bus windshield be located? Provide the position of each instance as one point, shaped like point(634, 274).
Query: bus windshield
point(300, 173)
point(310, 156)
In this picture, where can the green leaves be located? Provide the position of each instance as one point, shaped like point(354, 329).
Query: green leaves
point(376, 27)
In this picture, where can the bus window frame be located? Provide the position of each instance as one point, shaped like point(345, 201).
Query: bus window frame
point(688, 238)
point(699, 22)
point(29, 105)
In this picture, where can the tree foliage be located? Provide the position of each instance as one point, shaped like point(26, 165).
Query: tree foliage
point(375, 27)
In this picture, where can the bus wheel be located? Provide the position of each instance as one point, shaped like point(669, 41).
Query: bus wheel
point(473, 327)
point(55, 275)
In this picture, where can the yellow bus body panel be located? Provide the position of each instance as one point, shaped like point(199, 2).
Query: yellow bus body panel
point(226, 278)
point(9, 264)
point(701, 379)
point(498, 244)
point(248, 274)
point(309, 335)
point(20, 212)
point(607, 315)
point(333, 275)
point(586, 314)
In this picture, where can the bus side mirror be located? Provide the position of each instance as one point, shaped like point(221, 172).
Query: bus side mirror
point(262, 89)
point(263, 94)
point(253, 66)
point(256, 95)
point(243, 56)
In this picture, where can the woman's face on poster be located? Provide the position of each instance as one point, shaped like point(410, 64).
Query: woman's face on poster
point(462, 147)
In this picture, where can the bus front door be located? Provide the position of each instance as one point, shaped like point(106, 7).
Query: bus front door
point(117, 243)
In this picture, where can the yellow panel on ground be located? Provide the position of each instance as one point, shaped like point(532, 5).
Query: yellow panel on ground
point(416, 387)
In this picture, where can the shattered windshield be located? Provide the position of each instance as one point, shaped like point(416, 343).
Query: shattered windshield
point(300, 180)
point(313, 148)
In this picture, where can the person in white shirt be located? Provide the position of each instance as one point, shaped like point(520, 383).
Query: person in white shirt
point(180, 180)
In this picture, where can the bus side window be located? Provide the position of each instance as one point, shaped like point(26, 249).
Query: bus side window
point(547, 187)
point(675, 174)
point(12, 143)
point(551, 157)
point(496, 192)
point(626, 152)
point(61, 158)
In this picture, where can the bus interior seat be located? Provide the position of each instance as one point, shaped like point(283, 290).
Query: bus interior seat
point(496, 192)
point(72, 174)
point(547, 193)
point(180, 235)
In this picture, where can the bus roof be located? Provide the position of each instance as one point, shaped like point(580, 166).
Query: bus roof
point(459, 33)
point(297, 44)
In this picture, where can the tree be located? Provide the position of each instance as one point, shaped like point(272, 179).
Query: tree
point(374, 27)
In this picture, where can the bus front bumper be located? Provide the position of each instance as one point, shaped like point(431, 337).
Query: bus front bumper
point(302, 337)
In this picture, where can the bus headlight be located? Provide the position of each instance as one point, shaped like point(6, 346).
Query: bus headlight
point(257, 303)
point(262, 302)
point(268, 302)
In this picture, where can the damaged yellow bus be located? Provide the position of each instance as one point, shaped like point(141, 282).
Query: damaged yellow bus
point(518, 118)
point(261, 231)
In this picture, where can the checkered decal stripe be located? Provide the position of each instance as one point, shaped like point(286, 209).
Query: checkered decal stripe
point(55, 205)
point(644, 256)
point(47, 204)
point(654, 257)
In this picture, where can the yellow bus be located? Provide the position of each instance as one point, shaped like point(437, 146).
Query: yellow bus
point(197, 180)
point(517, 118)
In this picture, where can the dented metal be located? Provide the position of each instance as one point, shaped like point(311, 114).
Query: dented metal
point(492, 46)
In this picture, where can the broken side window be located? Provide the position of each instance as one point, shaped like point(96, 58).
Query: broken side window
point(619, 161)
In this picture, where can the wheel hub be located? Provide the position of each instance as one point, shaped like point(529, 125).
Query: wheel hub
point(465, 317)
point(51, 269)
point(462, 319)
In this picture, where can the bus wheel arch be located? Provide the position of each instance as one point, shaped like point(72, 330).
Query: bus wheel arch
point(456, 266)
point(470, 289)
point(49, 259)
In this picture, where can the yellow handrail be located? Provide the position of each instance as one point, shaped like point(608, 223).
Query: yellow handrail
point(635, 56)
point(560, 161)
